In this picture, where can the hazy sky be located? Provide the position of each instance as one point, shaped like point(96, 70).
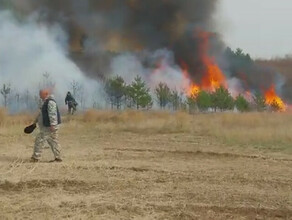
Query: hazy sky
point(262, 28)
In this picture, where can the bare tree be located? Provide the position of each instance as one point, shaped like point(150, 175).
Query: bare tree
point(48, 81)
point(29, 100)
point(82, 97)
point(78, 92)
point(163, 94)
point(17, 99)
point(76, 88)
point(5, 91)
point(26, 98)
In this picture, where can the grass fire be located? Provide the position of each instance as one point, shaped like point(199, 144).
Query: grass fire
point(274, 100)
point(142, 109)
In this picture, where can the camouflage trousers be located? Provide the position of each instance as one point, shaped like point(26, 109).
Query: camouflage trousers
point(45, 135)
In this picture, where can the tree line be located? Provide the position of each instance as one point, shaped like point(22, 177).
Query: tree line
point(137, 95)
point(27, 99)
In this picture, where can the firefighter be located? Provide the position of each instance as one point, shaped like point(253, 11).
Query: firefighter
point(71, 102)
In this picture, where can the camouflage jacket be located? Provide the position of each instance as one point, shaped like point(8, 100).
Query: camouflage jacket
point(52, 111)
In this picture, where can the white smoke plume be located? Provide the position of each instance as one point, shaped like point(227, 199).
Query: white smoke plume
point(161, 68)
point(29, 49)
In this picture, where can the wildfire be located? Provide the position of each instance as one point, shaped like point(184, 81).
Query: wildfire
point(273, 99)
point(194, 90)
point(212, 76)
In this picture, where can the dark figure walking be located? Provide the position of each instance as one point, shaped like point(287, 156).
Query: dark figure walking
point(71, 102)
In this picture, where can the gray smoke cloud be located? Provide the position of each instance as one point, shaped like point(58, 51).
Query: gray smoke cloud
point(34, 56)
point(103, 29)
point(155, 39)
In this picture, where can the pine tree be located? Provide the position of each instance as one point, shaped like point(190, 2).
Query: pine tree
point(222, 99)
point(139, 94)
point(204, 101)
point(260, 102)
point(241, 104)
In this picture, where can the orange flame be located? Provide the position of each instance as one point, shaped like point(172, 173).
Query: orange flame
point(273, 99)
point(194, 90)
point(213, 77)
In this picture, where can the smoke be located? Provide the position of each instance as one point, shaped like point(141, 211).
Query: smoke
point(158, 40)
point(154, 67)
point(34, 56)
point(103, 28)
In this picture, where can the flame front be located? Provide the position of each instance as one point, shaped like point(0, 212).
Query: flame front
point(213, 77)
point(273, 99)
point(194, 90)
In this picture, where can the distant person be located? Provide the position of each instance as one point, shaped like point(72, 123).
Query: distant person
point(48, 121)
point(71, 102)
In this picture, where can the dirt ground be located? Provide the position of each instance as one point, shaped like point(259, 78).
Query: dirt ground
point(130, 175)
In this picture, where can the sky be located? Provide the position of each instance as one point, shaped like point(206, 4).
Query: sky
point(262, 28)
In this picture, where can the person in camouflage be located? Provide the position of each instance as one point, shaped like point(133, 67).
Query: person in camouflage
point(48, 121)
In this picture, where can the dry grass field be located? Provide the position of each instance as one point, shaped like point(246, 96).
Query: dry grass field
point(153, 165)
